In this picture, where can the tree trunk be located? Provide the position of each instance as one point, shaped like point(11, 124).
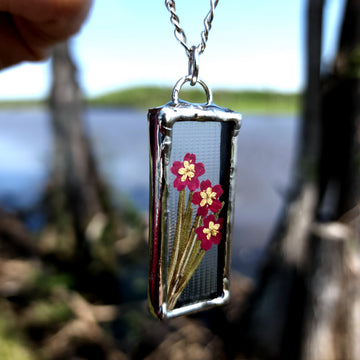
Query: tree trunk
point(333, 319)
point(74, 169)
point(82, 218)
point(307, 303)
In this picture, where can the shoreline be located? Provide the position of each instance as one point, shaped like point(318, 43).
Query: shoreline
point(140, 98)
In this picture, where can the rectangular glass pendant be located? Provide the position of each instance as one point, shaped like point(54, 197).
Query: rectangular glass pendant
point(192, 169)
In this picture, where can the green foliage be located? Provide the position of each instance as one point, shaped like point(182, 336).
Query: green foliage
point(258, 101)
point(19, 103)
point(11, 344)
point(243, 101)
point(151, 96)
point(49, 313)
point(45, 283)
point(134, 97)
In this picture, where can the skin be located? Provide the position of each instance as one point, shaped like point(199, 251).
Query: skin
point(30, 28)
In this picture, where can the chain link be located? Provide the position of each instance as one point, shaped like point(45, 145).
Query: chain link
point(179, 32)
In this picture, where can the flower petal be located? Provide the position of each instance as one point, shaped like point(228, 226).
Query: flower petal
point(215, 206)
point(216, 239)
point(202, 211)
point(193, 184)
point(205, 184)
point(190, 157)
point(179, 184)
point(199, 169)
point(206, 244)
point(218, 189)
point(176, 166)
point(208, 219)
point(196, 199)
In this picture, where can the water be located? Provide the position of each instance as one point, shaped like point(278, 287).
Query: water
point(120, 139)
point(25, 156)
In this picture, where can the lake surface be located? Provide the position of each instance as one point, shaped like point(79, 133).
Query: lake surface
point(120, 138)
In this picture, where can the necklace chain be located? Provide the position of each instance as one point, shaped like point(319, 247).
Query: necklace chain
point(179, 32)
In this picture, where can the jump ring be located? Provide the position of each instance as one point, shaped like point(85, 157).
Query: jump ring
point(185, 79)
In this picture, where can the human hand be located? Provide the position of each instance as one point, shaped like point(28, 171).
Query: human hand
point(29, 28)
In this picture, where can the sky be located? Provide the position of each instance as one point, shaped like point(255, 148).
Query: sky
point(255, 45)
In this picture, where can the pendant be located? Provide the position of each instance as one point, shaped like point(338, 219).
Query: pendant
point(192, 170)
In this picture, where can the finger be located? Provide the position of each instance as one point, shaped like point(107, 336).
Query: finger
point(12, 47)
point(41, 11)
point(28, 29)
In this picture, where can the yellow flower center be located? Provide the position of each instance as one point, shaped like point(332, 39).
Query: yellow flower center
point(188, 171)
point(212, 230)
point(207, 197)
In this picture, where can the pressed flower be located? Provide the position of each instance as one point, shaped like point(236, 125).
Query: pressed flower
point(207, 198)
point(210, 233)
point(187, 172)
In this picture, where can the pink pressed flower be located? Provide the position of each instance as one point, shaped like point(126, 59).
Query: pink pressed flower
point(207, 198)
point(187, 172)
point(210, 233)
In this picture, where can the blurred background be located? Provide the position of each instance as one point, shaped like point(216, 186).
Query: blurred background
point(74, 195)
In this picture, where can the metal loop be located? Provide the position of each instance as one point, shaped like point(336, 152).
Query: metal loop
point(185, 79)
point(194, 65)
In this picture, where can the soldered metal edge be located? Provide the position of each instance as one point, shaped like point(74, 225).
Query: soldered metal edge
point(166, 116)
point(184, 111)
point(199, 306)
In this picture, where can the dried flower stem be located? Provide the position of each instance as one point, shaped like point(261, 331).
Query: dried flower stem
point(185, 279)
point(191, 249)
point(177, 256)
point(187, 252)
point(178, 232)
point(187, 255)
point(189, 245)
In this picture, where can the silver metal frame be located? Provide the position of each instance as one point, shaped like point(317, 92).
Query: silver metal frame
point(161, 122)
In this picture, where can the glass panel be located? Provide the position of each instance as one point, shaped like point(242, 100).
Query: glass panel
point(203, 140)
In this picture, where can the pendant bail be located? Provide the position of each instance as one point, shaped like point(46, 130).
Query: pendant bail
point(193, 65)
point(188, 78)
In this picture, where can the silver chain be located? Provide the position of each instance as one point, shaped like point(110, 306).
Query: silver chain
point(179, 32)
